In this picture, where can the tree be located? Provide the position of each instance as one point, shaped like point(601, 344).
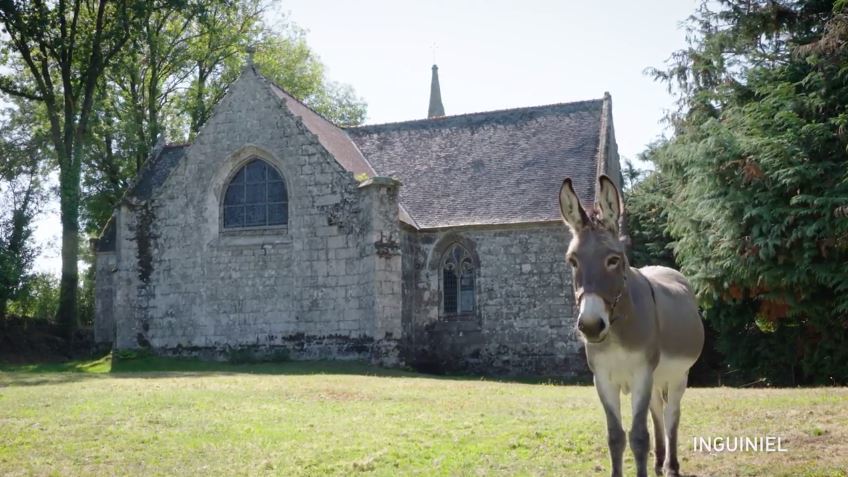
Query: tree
point(109, 77)
point(759, 167)
point(631, 174)
point(61, 50)
point(177, 67)
point(20, 187)
point(647, 201)
point(221, 36)
point(217, 54)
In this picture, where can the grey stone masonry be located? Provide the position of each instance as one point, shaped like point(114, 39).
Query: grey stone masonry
point(433, 243)
point(523, 324)
point(179, 283)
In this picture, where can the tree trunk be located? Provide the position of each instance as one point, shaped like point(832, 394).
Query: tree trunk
point(198, 113)
point(69, 201)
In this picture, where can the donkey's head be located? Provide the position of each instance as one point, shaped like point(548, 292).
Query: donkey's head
point(596, 255)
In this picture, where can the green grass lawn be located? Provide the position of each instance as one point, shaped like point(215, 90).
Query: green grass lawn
point(151, 416)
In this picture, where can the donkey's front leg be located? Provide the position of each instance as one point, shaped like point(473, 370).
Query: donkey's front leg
point(643, 382)
point(610, 395)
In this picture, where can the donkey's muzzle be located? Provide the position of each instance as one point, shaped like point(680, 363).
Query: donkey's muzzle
point(591, 327)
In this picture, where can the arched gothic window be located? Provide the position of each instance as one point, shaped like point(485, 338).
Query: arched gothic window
point(256, 197)
point(457, 281)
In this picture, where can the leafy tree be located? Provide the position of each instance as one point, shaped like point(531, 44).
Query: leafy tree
point(759, 164)
point(222, 33)
point(108, 78)
point(647, 220)
point(40, 301)
point(176, 68)
point(60, 51)
point(631, 175)
point(20, 189)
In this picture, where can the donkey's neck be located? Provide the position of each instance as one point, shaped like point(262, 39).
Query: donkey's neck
point(632, 304)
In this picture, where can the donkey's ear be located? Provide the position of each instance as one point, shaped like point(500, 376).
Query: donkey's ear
point(569, 206)
point(609, 203)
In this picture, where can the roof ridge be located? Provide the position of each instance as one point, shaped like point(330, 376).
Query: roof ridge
point(603, 139)
point(477, 113)
point(274, 84)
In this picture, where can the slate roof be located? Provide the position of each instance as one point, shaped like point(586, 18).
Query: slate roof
point(329, 135)
point(495, 167)
point(334, 139)
point(156, 170)
point(152, 175)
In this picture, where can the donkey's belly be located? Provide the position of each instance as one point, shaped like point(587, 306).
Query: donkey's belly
point(670, 370)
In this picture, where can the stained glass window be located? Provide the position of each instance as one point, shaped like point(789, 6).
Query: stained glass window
point(458, 281)
point(256, 197)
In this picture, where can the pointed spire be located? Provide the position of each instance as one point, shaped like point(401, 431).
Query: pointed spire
point(436, 108)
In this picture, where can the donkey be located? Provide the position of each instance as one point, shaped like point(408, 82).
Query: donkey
point(641, 329)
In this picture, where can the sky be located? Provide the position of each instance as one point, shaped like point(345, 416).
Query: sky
point(493, 54)
point(500, 54)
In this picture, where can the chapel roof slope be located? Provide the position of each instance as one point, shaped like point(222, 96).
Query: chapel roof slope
point(156, 170)
point(333, 138)
point(496, 167)
point(153, 173)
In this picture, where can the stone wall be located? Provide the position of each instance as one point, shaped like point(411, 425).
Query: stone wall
point(104, 300)
point(523, 324)
point(345, 279)
point(184, 285)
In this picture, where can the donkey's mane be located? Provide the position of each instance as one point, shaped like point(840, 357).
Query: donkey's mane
point(596, 221)
point(612, 237)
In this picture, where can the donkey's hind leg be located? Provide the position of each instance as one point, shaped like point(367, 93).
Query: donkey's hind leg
point(659, 429)
point(672, 421)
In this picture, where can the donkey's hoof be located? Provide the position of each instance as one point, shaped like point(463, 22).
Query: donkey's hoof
point(671, 473)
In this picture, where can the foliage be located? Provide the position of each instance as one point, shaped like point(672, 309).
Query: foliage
point(16, 252)
point(21, 193)
point(631, 175)
point(647, 221)
point(57, 53)
point(41, 300)
point(178, 67)
point(86, 293)
point(759, 163)
point(103, 81)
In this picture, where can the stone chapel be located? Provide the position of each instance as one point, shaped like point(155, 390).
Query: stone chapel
point(434, 243)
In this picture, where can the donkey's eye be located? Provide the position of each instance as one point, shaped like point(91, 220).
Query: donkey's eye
point(613, 262)
point(572, 261)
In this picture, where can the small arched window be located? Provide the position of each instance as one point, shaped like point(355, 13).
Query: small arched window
point(457, 281)
point(256, 197)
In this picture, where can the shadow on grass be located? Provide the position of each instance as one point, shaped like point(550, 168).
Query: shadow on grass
point(37, 374)
point(154, 367)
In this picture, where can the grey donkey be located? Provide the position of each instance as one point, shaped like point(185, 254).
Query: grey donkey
point(641, 329)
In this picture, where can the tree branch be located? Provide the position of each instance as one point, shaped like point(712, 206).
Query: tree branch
point(7, 86)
